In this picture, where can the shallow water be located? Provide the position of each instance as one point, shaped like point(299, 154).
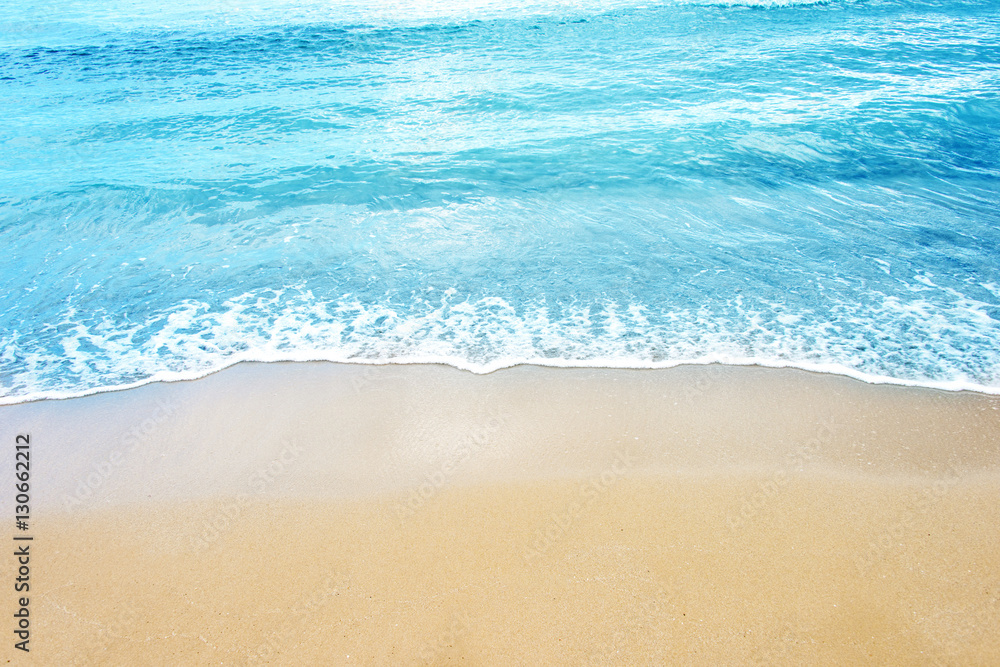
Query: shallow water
point(588, 183)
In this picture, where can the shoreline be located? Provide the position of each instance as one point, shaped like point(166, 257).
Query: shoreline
point(837, 370)
point(281, 513)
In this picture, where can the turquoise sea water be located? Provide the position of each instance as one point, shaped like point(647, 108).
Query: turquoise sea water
point(569, 183)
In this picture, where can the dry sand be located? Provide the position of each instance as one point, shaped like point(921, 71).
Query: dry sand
point(336, 514)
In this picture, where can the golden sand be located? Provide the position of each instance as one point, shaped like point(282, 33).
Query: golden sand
point(656, 571)
point(328, 514)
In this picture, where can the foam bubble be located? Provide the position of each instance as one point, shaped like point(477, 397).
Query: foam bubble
point(490, 333)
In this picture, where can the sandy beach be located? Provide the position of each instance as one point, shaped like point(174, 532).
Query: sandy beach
point(588, 332)
point(319, 513)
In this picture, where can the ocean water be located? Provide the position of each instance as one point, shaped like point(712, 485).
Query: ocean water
point(603, 183)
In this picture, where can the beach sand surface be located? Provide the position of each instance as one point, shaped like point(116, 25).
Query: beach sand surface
point(319, 513)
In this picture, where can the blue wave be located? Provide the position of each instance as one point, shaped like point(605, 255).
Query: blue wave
point(566, 183)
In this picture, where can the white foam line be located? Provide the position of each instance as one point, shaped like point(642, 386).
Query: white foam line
point(484, 369)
